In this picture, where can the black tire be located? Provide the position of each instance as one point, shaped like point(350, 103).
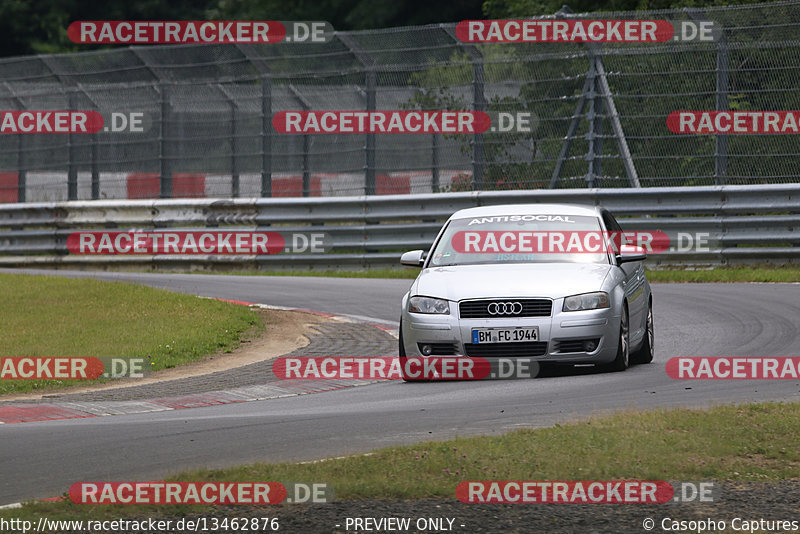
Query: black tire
point(645, 352)
point(401, 352)
point(623, 359)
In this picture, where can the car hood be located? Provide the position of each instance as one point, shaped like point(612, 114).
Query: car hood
point(553, 280)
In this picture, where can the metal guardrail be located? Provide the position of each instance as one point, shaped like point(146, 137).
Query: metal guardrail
point(743, 223)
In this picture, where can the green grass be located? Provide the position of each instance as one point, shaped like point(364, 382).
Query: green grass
point(54, 316)
point(757, 273)
point(746, 442)
point(406, 272)
point(749, 442)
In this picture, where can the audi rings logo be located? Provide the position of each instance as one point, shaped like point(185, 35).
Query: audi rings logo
point(504, 308)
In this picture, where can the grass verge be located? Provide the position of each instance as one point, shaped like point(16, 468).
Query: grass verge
point(744, 442)
point(755, 273)
point(54, 316)
point(407, 272)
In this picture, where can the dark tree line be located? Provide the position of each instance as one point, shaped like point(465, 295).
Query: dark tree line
point(40, 26)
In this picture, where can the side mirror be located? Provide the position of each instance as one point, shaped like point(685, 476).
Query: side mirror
point(630, 253)
point(413, 258)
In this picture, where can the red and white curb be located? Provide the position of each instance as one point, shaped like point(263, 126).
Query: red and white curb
point(26, 413)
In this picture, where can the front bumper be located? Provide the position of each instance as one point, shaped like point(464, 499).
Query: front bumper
point(564, 333)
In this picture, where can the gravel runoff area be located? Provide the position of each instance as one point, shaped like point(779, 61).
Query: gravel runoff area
point(327, 339)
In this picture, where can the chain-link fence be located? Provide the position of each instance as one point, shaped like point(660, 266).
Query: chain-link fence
point(208, 112)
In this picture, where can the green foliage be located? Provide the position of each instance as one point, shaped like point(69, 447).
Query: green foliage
point(40, 26)
point(350, 14)
point(500, 9)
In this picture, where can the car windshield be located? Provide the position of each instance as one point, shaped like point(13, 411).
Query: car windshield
point(531, 238)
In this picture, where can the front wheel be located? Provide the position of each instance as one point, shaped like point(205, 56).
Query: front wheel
point(645, 352)
point(401, 350)
point(622, 361)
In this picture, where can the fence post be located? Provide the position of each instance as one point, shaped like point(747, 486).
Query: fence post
point(306, 105)
point(234, 152)
point(721, 140)
point(478, 104)
point(72, 169)
point(592, 155)
point(434, 162)
point(721, 100)
point(95, 169)
point(233, 143)
point(165, 171)
point(266, 135)
point(369, 146)
point(262, 66)
point(21, 175)
point(371, 83)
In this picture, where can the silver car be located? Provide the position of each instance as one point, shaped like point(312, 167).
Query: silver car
point(549, 306)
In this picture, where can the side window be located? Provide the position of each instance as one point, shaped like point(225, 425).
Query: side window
point(611, 222)
point(611, 226)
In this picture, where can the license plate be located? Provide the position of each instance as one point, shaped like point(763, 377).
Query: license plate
point(505, 335)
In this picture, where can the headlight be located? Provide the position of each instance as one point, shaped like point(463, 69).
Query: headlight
point(586, 301)
point(428, 305)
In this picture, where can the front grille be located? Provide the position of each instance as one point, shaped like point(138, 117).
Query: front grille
point(439, 349)
point(479, 309)
point(506, 350)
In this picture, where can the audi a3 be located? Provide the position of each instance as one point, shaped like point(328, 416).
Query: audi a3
point(540, 281)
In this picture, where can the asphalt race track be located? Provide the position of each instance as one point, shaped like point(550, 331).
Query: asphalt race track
point(42, 459)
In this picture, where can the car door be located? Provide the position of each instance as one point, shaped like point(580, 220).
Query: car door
point(634, 286)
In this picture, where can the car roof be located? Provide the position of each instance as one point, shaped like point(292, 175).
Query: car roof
point(528, 209)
